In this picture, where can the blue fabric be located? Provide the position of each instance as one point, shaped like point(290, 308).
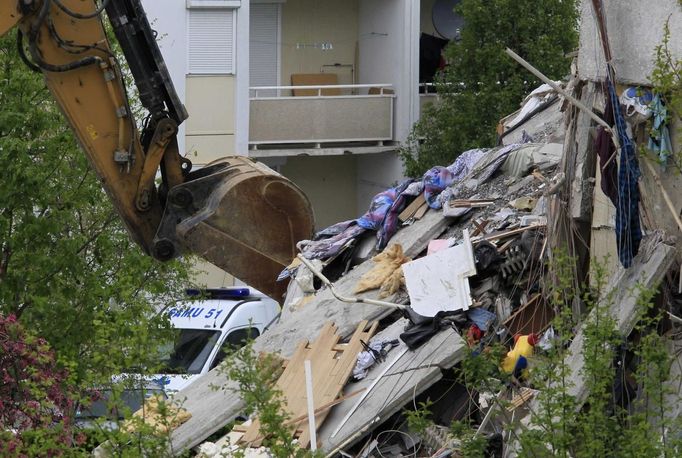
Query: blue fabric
point(382, 215)
point(481, 318)
point(659, 141)
point(435, 181)
point(628, 230)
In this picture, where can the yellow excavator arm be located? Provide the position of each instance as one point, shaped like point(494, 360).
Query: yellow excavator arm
point(235, 213)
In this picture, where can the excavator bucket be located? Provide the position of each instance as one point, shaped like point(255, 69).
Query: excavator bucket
point(244, 218)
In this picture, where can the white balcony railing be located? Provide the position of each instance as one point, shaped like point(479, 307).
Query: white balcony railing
point(343, 113)
point(427, 96)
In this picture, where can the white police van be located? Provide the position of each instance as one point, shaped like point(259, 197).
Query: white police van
point(210, 321)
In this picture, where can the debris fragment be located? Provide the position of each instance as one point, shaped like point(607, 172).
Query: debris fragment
point(386, 273)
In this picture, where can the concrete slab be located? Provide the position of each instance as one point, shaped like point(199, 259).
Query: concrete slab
point(635, 29)
point(413, 373)
point(649, 266)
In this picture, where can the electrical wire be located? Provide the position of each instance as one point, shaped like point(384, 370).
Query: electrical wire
point(393, 431)
point(38, 61)
point(22, 53)
point(73, 14)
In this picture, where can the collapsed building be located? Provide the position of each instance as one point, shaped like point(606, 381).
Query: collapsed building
point(445, 265)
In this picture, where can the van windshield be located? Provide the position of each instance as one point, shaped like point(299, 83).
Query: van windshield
point(190, 352)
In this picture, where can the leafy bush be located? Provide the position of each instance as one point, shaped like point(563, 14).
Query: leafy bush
point(481, 84)
point(37, 397)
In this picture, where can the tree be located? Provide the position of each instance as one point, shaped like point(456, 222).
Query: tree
point(36, 397)
point(481, 84)
point(68, 269)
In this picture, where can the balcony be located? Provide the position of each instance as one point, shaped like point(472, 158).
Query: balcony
point(326, 117)
point(427, 96)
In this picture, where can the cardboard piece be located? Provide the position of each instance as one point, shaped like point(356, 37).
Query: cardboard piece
point(439, 282)
point(314, 79)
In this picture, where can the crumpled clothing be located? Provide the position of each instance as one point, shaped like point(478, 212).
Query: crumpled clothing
point(659, 141)
point(366, 360)
point(435, 181)
point(481, 170)
point(628, 230)
point(387, 273)
point(416, 335)
point(482, 318)
point(466, 161)
point(415, 188)
point(334, 239)
point(382, 215)
point(378, 349)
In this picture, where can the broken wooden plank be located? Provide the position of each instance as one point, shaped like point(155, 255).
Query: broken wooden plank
point(421, 211)
point(330, 373)
point(504, 234)
point(412, 208)
point(412, 374)
point(532, 317)
point(480, 227)
point(212, 409)
point(468, 203)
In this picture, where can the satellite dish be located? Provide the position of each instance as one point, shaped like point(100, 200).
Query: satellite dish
point(447, 23)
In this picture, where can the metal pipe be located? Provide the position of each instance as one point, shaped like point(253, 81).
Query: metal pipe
point(352, 299)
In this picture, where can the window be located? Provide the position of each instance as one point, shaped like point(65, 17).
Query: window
point(213, 3)
point(264, 46)
point(211, 40)
point(190, 352)
point(236, 339)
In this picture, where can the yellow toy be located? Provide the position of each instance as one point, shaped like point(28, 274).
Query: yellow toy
point(516, 361)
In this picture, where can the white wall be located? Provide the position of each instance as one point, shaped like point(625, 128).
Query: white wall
point(241, 96)
point(330, 184)
point(169, 19)
point(389, 53)
point(375, 173)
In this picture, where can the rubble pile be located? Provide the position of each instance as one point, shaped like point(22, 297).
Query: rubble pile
point(446, 267)
point(495, 215)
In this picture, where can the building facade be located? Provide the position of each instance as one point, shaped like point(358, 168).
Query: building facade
point(323, 91)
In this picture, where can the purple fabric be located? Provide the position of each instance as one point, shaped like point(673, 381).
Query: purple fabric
point(329, 242)
point(390, 224)
point(435, 181)
point(382, 215)
point(375, 215)
point(465, 162)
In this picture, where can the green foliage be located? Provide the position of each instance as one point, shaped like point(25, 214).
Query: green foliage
point(148, 434)
point(419, 418)
point(68, 268)
point(481, 84)
point(597, 425)
point(666, 79)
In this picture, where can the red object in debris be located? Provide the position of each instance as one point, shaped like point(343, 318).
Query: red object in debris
point(474, 334)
